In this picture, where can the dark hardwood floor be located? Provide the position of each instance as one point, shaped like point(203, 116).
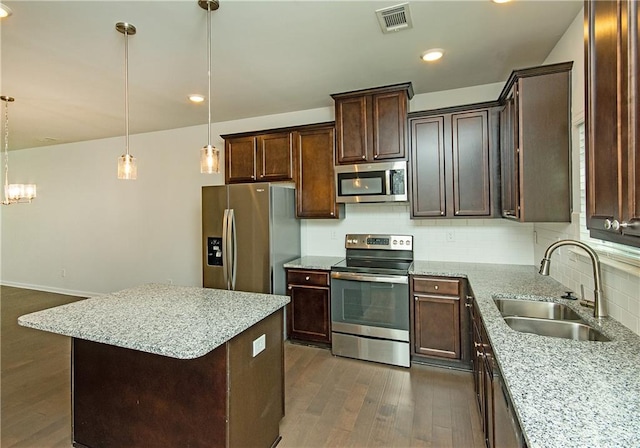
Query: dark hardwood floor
point(35, 391)
point(330, 401)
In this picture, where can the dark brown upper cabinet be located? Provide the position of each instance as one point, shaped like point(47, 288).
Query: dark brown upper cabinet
point(454, 162)
point(304, 154)
point(612, 53)
point(535, 144)
point(259, 157)
point(315, 185)
point(371, 124)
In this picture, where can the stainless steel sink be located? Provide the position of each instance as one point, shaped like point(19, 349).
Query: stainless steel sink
point(555, 328)
point(531, 308)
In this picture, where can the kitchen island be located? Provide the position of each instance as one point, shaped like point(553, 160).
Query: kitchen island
point(165, 366)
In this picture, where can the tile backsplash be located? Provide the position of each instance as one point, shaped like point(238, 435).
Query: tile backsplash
point(471, 240)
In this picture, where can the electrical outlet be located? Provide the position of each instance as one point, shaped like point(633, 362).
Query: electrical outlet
point(451, 236)
point(259, 345)
point(334, 235)
point(170, 281)
point(63, 273)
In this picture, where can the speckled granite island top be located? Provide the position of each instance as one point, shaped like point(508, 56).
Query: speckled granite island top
point(176, 321)
point(317, 263)
point(565, 393)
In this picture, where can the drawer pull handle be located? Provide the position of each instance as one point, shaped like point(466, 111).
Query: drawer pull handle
point(436, 287)
point(307, 278)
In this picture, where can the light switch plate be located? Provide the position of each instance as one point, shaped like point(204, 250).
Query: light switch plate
point(259, 345)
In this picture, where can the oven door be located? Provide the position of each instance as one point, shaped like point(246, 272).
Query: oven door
point(370, 305)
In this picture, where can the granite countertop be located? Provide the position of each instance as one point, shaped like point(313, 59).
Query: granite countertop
point(319, 263)
point(565, 393)
point(175, 321)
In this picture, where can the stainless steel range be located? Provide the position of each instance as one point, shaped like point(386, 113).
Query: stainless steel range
point(370, 299)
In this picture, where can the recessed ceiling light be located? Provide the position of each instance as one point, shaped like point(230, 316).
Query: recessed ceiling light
point(5, 11)
point(432, 55)
point(500, 1)
point(196, 98)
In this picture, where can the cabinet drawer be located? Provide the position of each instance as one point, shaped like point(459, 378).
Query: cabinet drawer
point(436, 286)
point(315, 278)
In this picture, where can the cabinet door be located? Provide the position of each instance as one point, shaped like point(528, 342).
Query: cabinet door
point(489, 409)
point(240, 159)
point(315, 183)
point(470, 146)
point(310, 313)
point(509, 157)
point(428, 167)
point(437, 326)
point(389, 125)
point(275, 154)
point(602, 137)
point(476, 362)
point(613, 112)
point(353, 136)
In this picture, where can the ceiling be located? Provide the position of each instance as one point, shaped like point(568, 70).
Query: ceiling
point(64, 61)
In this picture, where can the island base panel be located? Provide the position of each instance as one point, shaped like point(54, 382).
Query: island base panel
point(123, 397)
point(256, 389)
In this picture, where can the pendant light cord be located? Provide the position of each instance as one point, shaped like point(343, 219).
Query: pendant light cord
point(6, 143)
point(209, 71)
point(126, 88)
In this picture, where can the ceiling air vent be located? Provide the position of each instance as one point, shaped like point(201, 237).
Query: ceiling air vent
point(394, 18)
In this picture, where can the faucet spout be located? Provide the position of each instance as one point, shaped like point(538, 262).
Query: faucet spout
point(545, 263)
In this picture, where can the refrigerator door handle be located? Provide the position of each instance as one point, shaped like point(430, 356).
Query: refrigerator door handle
point(225, 248)
point(234, 251)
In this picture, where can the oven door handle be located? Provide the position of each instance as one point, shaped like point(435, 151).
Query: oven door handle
point(402, 279)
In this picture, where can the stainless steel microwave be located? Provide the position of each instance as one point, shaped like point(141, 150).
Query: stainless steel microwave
point(371, 182)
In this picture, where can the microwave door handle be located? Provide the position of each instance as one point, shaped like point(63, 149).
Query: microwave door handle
point(387, 179)
point(225, 248)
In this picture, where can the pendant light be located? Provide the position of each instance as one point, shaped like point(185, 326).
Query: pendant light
point(127, 167)
point(13, 193)
point(209, 154)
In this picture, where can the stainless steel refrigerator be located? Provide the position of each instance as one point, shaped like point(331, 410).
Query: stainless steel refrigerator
point(248, 232)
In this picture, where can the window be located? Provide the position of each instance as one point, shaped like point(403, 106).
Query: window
point(617, 252)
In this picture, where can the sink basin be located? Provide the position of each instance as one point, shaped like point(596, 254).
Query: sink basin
point(540, 310)
point(555, 328)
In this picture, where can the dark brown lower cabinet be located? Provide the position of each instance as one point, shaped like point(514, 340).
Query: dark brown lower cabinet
point(129, 398)
point(499, 424)
point(309, 313)
point(438, 323)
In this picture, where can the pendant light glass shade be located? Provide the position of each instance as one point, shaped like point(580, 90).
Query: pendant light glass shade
point(13, 193)
point(209, 154)
point(127, 167)
point(209, 160)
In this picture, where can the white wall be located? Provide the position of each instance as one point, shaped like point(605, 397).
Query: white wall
point(621, 283)
point(89, 233)
point(107, 234)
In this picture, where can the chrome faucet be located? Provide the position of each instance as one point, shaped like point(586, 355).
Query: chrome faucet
point(598, 310)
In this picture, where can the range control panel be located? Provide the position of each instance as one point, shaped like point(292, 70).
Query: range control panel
point(369, 241)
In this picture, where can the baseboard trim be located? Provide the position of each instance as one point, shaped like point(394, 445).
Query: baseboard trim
point(67, 292)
